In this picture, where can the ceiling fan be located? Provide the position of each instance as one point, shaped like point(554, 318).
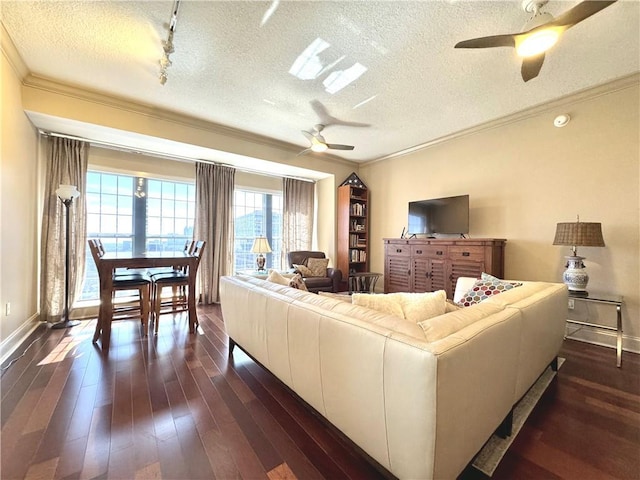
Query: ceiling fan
point(318, 143)
point(539, 34)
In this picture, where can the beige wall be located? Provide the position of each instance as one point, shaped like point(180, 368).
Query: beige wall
point(19, 211)
point(524, 177)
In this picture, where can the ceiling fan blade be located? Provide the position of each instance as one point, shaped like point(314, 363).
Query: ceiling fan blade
point(321, 111)
point(309, 135)
point(337, 121)
point(335, 146)
point(303, 152)
point(326, 119)
point(581, 12)
point(531, 67)
point(507, 40)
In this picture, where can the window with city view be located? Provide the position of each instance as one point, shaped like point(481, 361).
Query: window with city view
point(134, 214)
point(257, 213)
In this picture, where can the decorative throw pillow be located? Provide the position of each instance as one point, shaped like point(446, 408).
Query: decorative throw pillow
point(486, 276)
point(297, 282)
point(417, 307)
point(318, 266)
point(303, 270)
point(414, 307)
point(484, 288)
point(276, 277)
point(388, 303)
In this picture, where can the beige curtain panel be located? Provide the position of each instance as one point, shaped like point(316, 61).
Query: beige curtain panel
point(297, 216)
point(66, 165)
point(214, 224)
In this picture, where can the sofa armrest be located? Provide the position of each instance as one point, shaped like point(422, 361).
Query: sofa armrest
point(336, 276)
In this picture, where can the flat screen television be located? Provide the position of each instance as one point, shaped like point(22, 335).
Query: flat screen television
point(449, 215)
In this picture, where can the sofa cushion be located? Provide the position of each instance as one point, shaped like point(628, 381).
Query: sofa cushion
point(338, 296)
point(303, 270)
point(444, 325)
point(317, 266)
point(484, 288)
point(451, 306)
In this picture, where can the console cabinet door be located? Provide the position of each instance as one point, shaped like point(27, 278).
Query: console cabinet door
point(420, 275)
point(438, 276)
point(397, 274)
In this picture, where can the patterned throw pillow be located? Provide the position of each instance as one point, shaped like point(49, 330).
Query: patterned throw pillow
point(297, 282)
point(303, 270)
point(318, 266)
point(484, 288)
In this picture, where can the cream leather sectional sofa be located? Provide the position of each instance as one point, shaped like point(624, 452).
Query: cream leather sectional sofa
point(420, 402)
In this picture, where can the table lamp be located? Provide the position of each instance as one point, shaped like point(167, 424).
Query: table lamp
point(578, 234)
point(260, 246)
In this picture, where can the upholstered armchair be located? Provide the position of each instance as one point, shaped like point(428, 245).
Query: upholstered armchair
point(328, 283)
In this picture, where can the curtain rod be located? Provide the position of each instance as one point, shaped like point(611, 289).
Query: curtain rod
point(122, 148)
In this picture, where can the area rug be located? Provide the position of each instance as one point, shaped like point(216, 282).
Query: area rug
point(489, 457)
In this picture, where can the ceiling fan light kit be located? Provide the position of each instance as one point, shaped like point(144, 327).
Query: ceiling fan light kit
point(537, 42)
point(319, 144)
point(319, 147)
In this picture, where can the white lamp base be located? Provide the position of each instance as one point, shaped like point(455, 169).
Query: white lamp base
point(575, 276)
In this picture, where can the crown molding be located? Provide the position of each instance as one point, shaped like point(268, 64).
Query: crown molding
point(158, 114)
point(621, 83)
point(10, 52)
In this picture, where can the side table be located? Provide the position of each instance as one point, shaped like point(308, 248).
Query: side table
point(363, 282)
point(603, 299)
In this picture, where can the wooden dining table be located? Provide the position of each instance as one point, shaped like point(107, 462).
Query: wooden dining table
point(109, 262)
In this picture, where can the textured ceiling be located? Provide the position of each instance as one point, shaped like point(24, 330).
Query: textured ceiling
point(232, 62)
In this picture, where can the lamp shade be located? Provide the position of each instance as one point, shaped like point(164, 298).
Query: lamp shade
point(261, 245)
point(579, 234)
point(67, 192)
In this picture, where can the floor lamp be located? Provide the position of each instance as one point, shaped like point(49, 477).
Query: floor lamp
point(67, 193)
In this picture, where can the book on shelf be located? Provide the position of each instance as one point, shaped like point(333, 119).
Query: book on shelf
point(358, 209)
point(358, 255)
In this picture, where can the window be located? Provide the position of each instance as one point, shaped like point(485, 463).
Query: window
point(257, 213)
point(133, 215)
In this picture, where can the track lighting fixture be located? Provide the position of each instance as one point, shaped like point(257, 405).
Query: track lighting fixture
point(167, 45)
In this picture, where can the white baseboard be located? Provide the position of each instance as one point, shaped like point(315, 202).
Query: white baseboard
point(604, 338)
point(13, 341)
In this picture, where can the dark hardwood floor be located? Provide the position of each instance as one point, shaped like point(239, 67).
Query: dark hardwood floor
point(174, 406)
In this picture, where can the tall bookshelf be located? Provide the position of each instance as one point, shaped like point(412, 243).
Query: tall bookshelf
point(353, 227)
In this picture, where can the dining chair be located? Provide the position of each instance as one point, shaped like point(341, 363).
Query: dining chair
point(124, 282)
point(178, 280)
